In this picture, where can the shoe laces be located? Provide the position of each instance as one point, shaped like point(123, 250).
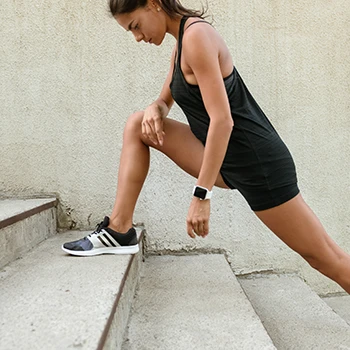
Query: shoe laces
point(97, 230)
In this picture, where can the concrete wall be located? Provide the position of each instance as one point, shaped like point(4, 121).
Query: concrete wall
point(70, 77)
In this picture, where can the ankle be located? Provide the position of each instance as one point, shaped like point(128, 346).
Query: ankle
point(121, 226)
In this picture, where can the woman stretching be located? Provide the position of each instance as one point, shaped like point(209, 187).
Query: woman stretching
point(228, 143)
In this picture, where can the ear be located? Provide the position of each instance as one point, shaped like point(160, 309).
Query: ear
point(155, 5)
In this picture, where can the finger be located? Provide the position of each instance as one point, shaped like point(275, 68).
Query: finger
point(143, 129)
point(195, 226)
point(150, 133)
point(152, 127)
point(206, 228)
point(200, 231)
point(158, 127)
point(146, 130)
point(153, 130)
point(160, 137)
point(190, 230)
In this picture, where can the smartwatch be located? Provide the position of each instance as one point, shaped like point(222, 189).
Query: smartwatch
point(202, 192)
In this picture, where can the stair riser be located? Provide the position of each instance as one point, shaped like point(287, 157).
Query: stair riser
point(20, 237)
point(192, 302)
point(120, 321)
point(294, 315)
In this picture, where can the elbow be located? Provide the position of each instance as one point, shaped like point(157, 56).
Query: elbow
point(223, 127)
point(227, 124)
point(227, 121)
point(228, 127)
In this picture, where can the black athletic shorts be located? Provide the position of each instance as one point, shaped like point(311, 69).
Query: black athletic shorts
point(263, 172)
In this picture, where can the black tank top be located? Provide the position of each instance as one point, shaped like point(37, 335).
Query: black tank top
point(251, 127)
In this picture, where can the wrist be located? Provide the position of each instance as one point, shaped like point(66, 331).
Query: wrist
point(202, 193)
point(154, 105)
point(161, 106)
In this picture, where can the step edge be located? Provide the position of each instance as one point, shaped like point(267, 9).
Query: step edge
point(107, 328)
point(269, 342)
point(28, 213)
point(276, 336)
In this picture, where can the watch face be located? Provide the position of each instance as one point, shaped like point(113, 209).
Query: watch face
point(200, 192)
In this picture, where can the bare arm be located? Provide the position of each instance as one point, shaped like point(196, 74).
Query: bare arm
point(201, 53)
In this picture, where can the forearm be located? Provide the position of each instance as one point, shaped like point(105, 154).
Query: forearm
point(215, 149)
point(163, 107)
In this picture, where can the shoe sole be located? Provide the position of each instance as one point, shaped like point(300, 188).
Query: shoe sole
point(132, 249)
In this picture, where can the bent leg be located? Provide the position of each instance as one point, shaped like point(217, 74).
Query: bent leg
point(297, 226)
point(180, 145)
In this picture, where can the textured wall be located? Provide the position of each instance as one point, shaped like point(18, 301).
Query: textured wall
point(70, 77)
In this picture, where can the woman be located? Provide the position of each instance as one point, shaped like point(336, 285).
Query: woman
point(230, 143)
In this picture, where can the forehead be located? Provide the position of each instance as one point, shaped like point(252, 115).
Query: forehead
point(126, 19)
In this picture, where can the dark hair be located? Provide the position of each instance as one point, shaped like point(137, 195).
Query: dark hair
point(173, 8)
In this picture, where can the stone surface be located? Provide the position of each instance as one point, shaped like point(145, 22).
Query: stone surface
point(295, 316)
point(12, 207)
point(52, 300)
point(118, 327)
point(20, 237)
point(341, 305)
point(190, 303)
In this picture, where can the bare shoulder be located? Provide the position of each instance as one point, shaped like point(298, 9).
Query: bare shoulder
point(199, 34)
point(202, 39)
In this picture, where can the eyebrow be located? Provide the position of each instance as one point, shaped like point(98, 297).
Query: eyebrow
point(129, 26)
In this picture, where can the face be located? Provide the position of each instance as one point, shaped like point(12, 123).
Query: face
point(146, 24)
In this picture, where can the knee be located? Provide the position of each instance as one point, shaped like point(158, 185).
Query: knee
point(314, 261)
point(133, 124)
point(323, 263)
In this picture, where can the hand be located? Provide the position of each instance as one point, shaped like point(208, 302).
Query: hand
point(152, 124)
point(198, 218)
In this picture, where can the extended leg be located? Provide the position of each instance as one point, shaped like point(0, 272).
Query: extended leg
point(297, 226)
point(180, 145)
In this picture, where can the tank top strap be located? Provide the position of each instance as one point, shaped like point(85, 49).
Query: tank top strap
point(201, 21)
point(179, 41)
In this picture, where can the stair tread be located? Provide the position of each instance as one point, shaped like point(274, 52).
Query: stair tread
point(193, 302)
point(13, 207)
point(24, 223)
point(49, 299)
point(294, 315)
point(341, 305)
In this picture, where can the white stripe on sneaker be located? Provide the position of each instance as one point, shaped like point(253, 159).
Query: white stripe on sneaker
point(112, 239)
point(95, 241)
point(103, 240)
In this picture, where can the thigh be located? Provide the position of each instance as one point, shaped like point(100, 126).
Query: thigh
point(297, 226)
point(182, 147)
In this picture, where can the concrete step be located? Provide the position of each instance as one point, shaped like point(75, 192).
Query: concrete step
point(51, 300)
point(192, 302)
point(295, 317)
point(341, 305)
point(23, 224)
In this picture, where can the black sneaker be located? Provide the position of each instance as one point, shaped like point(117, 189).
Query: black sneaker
point(104, 241)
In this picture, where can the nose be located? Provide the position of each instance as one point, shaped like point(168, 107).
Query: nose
point(138, 37)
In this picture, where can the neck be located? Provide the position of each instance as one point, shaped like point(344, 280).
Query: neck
point(173, 26)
